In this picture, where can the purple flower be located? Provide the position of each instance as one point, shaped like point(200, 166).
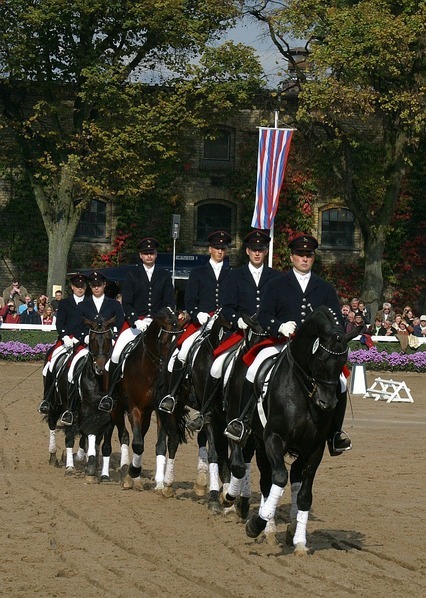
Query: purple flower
point(380, 360)
point(16, 351)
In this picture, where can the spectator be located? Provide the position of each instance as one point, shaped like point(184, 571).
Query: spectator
point(24, 306)
point(41, 308)
point(386, 328)
point(420, 329)
point(376, 327)
point(345, 309)
point(30, 316)
point(47, 318)
point(350, 322)
point(16, 292)
point(354, 303)
point(360, 323)
point(8, 313)
point(55, 302)
point(408, 315)
point(364, 311)
point(386, 313)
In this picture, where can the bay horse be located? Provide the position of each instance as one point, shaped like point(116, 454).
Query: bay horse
point(299, 404)
point(200, 362)
point(96, 425)
point(137, 390)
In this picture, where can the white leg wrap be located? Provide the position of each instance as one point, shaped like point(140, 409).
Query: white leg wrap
point(214, 476)
point(124, 456)
point(70, 458)
point(234, 488)
point(267, 511)
point(246, 482)
point(52, 441)
point(160, 464)
point(91, 445)
point(137, 460)
point(300, 534)
point(169, 476)
point(105, 466)
point(295, 487)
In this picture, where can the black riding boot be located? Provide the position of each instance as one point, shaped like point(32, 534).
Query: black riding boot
point(107, 401)
point(239, 428)
point(210, 391)
point(49, 384)
point(339, 441)
point(168, 403)
point(67, 418)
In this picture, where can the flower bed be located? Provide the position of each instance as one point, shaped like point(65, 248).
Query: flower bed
point(373, 359)
point(17, 351)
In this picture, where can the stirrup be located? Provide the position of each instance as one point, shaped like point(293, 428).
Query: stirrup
point(106, 404)
point(196, 424)
point(237, 435)
point(335, 450)
point(44, 408)
point(167, 404)
point(67, 418)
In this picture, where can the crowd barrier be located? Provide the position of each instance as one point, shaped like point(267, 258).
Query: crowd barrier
point(50, 327)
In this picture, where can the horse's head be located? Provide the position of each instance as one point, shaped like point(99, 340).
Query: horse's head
point(254, 332)
point(100, 341)
point(320, 351)
point(165, 327)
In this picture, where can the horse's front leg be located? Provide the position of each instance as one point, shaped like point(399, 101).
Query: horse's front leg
point(213, 459)
point(160, 452)
point(106, 453)
point(200, 486)
point(275, 451)
point(90, 471)
point(297, 529)
point(53, 459)
point(140, 425)
point(70, 433)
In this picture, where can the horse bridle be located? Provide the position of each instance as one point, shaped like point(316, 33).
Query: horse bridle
point(101, 354)
point(310, 380)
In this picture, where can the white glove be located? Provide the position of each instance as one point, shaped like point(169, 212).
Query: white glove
point(68, 342)
point(287, 328)
point(75, 341)
point(241, 324)
point(202, 317)
point(86, 339)
point(141, 325)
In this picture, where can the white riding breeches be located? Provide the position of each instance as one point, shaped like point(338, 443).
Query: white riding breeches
point(82, 353)
point(124, 339)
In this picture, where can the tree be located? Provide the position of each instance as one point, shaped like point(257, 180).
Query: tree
point(95, 98)
point(361, 101)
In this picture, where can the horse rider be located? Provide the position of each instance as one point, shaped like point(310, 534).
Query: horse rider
point(96, 305)
point(146, 290)
point(203, 296)
point(287, 301)
point(244, 288)
point(68, 326)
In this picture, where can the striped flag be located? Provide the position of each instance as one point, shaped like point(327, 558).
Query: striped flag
point(274, 147)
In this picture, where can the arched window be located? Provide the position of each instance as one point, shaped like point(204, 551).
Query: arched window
point(338, 228)
point(93, 221)
point(212, 217)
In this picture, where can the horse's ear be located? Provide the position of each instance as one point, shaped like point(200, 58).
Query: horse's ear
point(108, 323)
point(89, 323)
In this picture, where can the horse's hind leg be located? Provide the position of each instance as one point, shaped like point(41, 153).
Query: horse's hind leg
point(53, 460)
point(200, 486)
point(106, 453)
point(69, 447)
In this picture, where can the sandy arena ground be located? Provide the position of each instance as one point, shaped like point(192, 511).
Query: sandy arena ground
point(62, 537)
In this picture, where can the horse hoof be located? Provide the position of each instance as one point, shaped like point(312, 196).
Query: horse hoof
point(69, 471)
point(255, 526)
point(168, 492)
point(300, 549)
point(242, 506)
point(91, 466)
point(215, 507)
point(90, 479)
point(200, 486)
point(127, 483)
point(105, 479)
point(53, 461)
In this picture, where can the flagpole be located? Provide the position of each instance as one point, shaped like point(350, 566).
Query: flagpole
point(271, 232)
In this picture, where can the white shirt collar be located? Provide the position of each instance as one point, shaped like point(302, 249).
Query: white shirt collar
point(149, 271)
point(79, 299)
point(302, 279)
point(98, 302)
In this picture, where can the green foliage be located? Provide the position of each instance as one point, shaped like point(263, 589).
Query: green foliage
point(29, 337)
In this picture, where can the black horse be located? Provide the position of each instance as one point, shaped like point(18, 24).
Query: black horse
point(94, 424)
point(192, 392)
point(299, 405)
